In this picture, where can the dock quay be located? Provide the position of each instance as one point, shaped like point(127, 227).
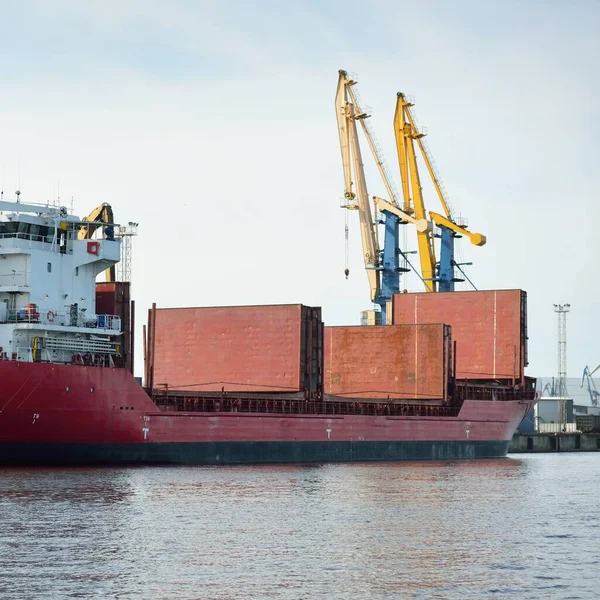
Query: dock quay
point(555, 442)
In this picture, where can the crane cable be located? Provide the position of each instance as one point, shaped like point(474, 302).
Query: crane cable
point(346, 264)
point(415, 271)
point(465, 275)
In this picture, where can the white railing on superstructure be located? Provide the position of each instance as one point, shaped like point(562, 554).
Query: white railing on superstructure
point(87, 354)
point(27, 236)
point(29, 241)
point(16, 205)
point(80, 346)
point(63, 318)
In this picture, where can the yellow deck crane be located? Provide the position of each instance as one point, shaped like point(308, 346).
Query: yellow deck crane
point(102, 215)
point(382, 265)
point(437, 277)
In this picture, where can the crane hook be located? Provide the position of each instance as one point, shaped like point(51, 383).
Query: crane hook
point(346, 272)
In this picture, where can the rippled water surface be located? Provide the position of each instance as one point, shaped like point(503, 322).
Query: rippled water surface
point(524, 527)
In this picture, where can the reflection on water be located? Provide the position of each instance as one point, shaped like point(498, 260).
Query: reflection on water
point(514, 528)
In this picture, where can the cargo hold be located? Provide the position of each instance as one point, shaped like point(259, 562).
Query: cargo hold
point(395, 361)
point(489, 329)
point(276, 348)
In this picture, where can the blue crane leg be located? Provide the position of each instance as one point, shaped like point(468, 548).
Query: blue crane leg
point(390, 276)
point(446, 274)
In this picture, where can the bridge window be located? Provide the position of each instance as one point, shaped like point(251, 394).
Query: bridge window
point(32, 231)
point(47, 233)
point(9, 229)
point(23, 229)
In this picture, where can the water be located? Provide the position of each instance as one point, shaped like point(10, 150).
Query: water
point(524, 527)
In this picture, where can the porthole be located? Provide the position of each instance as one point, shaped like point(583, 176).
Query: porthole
point(67, 388)
point(92, 389)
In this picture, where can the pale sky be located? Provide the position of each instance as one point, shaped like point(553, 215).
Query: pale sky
point(212, 124)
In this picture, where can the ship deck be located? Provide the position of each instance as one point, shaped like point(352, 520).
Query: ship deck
point(278, 403)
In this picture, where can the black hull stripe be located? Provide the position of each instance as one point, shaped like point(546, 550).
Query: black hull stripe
point(227, 453)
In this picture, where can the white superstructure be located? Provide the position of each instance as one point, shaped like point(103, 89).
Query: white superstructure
point(48, 286)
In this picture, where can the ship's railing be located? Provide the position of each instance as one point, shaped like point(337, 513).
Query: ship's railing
point(64, 318)
point(45, 208)
point(41, 355)
point(464, 390)
point(301, 407)
point(48, 239)
point(98, 360)
point(82, 345)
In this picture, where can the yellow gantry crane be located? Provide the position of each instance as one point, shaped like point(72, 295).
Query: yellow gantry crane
point(436, 276)
point(381, 264)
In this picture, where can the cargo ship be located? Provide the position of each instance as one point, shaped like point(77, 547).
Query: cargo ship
point(223, 385)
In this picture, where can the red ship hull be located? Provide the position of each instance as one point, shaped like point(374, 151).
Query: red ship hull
point(66, 414)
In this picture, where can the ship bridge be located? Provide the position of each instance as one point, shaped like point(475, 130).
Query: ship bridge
point(49, 261)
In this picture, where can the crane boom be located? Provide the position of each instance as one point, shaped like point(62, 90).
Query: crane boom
point(438, 276)
point(428, 163)
point(383, 205)
point(401, 131)
point(101, 214)
point(352, 162)
point(375, 151)
point(341, 112)
point(477, 239)
point(412, 190)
